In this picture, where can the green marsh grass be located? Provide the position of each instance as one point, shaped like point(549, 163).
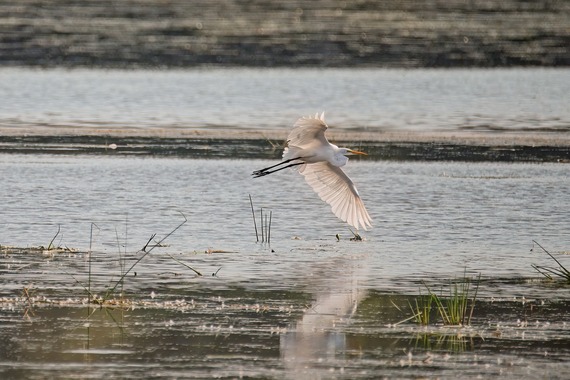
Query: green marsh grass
point(455, 307)
point(422, 309)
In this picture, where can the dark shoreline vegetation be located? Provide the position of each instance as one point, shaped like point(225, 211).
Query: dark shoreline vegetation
point(324, 33)
point(407, 149)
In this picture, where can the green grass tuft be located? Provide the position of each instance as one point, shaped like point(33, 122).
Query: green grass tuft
point(454, 308)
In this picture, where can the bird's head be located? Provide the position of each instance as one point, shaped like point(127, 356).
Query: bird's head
point(352, 152)
point(340, 157)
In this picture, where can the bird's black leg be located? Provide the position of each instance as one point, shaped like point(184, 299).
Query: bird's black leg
point(259, 173)
point(263, 172)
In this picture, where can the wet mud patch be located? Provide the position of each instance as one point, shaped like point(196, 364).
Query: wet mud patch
point(254, 144)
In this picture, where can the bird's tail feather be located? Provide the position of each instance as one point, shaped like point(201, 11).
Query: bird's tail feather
point(291, 152)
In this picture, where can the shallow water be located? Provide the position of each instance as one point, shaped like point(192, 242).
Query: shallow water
point(438, 216)
point(305, 306)
point(369, 99)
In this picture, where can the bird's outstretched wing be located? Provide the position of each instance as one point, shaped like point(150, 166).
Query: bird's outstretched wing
point(307, 131)
point(336, 188)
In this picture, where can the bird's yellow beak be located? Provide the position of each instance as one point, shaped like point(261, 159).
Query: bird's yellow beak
point(357, 152)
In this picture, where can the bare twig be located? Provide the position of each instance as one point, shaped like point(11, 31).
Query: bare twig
point(148, 242)
point(186, 265)
point(146, 253)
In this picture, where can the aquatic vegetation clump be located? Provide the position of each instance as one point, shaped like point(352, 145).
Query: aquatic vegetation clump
point(454, 308)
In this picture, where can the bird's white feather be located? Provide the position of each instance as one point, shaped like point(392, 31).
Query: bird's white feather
point(308, 134)
point(336, 188)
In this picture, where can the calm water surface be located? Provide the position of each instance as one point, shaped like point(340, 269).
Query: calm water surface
point(372, 100)
point(429, 218)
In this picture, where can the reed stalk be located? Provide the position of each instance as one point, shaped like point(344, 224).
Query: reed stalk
point(254, 222)
point(547, 272)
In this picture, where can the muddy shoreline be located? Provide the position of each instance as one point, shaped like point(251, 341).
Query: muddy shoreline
point(241, 144)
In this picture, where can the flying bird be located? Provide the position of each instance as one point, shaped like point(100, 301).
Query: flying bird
point(319, 161)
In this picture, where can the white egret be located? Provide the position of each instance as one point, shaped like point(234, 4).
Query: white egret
point(319, 161)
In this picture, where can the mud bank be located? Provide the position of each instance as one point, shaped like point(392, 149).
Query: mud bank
point(405, 146)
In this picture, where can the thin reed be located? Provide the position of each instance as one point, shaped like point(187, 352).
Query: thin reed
point(147, 249)
point(422, 309)
point(548, 272)
point(265, 219)
point(253, 214)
